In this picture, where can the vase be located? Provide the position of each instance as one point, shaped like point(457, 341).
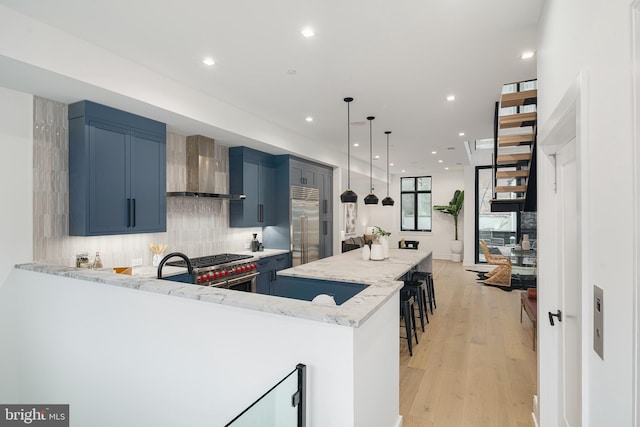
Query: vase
point(376, 252)
point(366, 252)
point(526, 243)
point(384, 241)
point(456, 250)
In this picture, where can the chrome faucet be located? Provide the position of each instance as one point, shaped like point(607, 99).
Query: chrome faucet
point(171, 255)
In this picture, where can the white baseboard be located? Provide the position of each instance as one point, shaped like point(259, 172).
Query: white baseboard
point(536, 411)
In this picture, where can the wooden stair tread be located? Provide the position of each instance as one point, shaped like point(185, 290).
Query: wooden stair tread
point(523, 173)
point(518, 120)
point(511, 189)
point(515, 140)
point(513, 158)
point(516, 99)
point(508, 201)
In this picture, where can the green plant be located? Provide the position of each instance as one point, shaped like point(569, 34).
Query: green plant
point(380, 232)
point(453, 208)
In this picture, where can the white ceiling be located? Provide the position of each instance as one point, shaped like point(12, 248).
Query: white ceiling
point(397, 59)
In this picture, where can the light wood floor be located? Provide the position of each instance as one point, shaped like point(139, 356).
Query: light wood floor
point(475, 365)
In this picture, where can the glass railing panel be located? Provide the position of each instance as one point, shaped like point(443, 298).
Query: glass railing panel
point(281, 406)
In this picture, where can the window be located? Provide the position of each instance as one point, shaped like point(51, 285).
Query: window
point(415, 203)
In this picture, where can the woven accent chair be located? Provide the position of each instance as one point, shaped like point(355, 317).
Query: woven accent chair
point(501, 275)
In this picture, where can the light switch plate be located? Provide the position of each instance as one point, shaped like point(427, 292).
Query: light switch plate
point(598, 321)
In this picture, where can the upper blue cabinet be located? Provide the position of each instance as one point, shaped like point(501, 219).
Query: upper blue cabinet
point(117, 172)
point(252, 173)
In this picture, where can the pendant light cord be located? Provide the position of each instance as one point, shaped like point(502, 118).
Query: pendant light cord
point(348, 147)
point(370, 118)
point(387, 132)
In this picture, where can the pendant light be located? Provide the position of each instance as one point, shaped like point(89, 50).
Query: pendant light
point(371, 198)
point(348, 196)
point(387, 201)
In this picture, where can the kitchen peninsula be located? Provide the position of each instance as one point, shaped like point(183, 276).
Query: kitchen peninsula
point(211, 349)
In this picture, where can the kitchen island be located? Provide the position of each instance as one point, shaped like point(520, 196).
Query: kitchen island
point(205, 352)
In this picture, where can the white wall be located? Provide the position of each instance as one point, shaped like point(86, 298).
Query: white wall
point(594, 38)
point(16, 175)
point(167, 361)
point(444, 185)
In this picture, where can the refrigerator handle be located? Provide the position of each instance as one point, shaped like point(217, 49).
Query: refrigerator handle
point(324, 228)
point(325, 204)
point(303, 239)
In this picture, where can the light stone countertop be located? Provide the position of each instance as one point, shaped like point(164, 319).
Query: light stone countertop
point(349, 267)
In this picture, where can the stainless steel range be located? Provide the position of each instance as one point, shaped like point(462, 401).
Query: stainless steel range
point(231, 271)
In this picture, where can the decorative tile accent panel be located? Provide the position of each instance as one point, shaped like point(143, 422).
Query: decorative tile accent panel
point(196, 227)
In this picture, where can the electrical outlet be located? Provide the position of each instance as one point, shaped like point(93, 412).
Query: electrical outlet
point(136, 262)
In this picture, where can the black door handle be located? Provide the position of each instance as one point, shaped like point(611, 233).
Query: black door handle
point(558, 314)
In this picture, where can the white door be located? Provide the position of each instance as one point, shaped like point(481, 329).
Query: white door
point(569, 290)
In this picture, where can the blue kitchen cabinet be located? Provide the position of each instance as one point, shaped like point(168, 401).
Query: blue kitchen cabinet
point(253, 174)
point(117, 172)
point(268, 267)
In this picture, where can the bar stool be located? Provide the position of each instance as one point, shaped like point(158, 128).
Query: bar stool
point(428, 280)
point(418, 289)
point(407, 311)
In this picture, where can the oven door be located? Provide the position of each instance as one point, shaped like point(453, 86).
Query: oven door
point(245, 283)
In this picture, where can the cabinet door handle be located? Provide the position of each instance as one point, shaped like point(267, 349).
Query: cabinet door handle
point(325, 203)
point(134, 212)
point(260, 212)
point(128, 212)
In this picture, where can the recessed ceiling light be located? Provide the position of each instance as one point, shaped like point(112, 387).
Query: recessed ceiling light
point(308, 32)
point(433, 152)
point(207, 60)
point(390, 164)
point(451, 148)
point(451, 98)
point(461, 134)
point(309, 119)
point(403, 171)
point(376, 157)
point(446, 169)
point(355, 144)
point(527, 55)
point(440, 161)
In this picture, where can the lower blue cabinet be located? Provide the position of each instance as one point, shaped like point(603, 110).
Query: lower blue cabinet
point(267, 267)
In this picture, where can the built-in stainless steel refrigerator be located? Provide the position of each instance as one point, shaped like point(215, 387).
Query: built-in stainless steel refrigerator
point(305, 225)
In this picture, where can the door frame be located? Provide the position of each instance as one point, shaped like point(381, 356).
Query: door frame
point(635, 56)
point(568, 120)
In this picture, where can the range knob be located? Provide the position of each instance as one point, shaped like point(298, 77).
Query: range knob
point(216, 275)
point(209, 277)
point(226, 273)
point(201, 279)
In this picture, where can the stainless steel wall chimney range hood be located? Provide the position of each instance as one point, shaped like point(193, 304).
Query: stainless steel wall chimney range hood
point(201, 163)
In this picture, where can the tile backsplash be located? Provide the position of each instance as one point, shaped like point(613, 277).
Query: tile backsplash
point(195, 226)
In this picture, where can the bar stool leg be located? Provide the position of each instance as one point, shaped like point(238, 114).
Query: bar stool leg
point(433, 291)
point(407, 325)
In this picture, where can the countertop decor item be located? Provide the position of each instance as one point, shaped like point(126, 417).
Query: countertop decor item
point(157, 250)
point(348, 196)
point(383, 237)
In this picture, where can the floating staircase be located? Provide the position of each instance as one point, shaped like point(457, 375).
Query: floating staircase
point(514, 158)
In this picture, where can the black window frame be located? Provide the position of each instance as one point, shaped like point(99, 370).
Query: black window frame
point(415, 193)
